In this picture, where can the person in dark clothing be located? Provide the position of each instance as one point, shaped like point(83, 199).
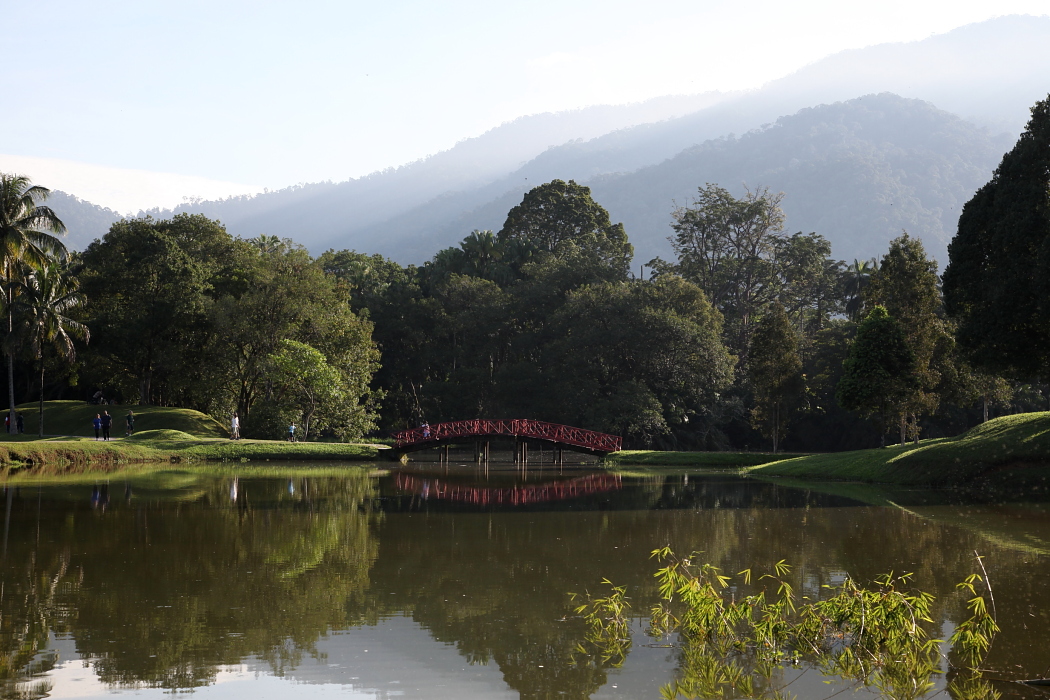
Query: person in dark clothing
point(97, 422)
point(107, 421)
point(20, 423)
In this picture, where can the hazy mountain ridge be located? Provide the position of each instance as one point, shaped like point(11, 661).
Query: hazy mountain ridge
point(856, 172)
point(993, 70)
point(84, 221)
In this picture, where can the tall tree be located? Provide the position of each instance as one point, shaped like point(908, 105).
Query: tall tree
point(906, 285)
point(303, 378)
point(997, 283)
point(48, 294)
point(150, 284)
point(642, 359)
point(728, 246)
point(857, 277)
point(879, 374)
point(775, 370)
point(810, 281)
point(24, 227)
point(559, 212)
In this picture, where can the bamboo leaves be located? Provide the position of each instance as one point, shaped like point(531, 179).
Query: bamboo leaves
point(736, 645)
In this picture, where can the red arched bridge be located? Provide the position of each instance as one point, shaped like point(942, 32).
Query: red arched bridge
point(521, 429)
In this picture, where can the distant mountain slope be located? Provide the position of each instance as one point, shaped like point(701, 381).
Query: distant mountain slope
point(857, 172)
point(990, 71)
point(995, 70)
point(309, 212)
point(84, 221)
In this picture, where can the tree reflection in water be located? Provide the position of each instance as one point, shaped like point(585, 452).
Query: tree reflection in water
point(183, 574)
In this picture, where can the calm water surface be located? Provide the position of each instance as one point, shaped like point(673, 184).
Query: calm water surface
point(416, 583)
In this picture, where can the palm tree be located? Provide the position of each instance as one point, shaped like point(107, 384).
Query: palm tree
point(267, 244)
point(858, 275)
point(23, 237)
point(46, 295)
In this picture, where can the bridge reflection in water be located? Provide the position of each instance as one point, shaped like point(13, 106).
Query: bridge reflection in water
point(561, 490)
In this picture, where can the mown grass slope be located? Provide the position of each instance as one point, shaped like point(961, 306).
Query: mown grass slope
point(161, 435)
point(75, 418)
point(1012, 450)
point(56, 456)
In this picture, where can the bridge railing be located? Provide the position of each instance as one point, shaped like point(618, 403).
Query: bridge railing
point(518, 427)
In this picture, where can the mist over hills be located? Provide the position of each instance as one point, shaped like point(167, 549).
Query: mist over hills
point(856, 172)
point(889, 162)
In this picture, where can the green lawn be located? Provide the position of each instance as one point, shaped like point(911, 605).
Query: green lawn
point(75, 418)
point(1011, 450)
point(161, 435)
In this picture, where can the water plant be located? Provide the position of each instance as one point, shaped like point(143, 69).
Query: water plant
point(737, 637)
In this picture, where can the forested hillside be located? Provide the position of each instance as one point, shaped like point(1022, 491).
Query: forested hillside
point(856, 172)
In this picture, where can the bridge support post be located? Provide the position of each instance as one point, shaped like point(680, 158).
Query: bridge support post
point(485, 452)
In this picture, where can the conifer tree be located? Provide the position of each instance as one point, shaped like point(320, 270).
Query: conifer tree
point(997, 283)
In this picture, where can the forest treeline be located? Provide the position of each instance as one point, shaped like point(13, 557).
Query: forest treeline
point(750, 337)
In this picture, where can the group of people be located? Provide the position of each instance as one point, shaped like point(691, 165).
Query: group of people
point(20, 423)
point(103, 422)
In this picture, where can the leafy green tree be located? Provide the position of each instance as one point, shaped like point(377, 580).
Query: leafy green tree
point(48, 294)
point(728, 246)
point(810, 280)
point(24, 227)
point(560, 212)
point(303, 377)
point(906, 285)
point(287, 295)
point(998, 275)
point(150, 285)
point(879, 374)
point(641, 359)
point(775, 370)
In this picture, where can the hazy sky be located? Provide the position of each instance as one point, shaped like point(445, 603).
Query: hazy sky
point(270, 94)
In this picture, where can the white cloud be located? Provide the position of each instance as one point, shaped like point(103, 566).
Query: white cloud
point(123, 190)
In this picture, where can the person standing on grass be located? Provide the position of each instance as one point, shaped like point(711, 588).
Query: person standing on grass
point(235, 427)
point(98, 425)
point(107, 421)
point(291, 433)
point(130, 420)
point(20, 423)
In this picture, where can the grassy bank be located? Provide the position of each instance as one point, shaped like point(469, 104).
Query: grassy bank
point(1012, 450)
point(75, 418)
point(162, 435)
point(78, 454)
point(710, 460)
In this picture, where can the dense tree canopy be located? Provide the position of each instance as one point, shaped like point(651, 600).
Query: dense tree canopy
point(775, 371)
point(557, 214)
point(184, 314)
point(997, 283)
point(750, 329)
point(879, 374)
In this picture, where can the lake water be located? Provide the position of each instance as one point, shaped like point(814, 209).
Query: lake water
point(360, 582)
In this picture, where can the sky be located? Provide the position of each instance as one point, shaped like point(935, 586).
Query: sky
point(137, 104)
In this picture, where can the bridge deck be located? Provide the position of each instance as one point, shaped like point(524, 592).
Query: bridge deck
point(563, 435)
